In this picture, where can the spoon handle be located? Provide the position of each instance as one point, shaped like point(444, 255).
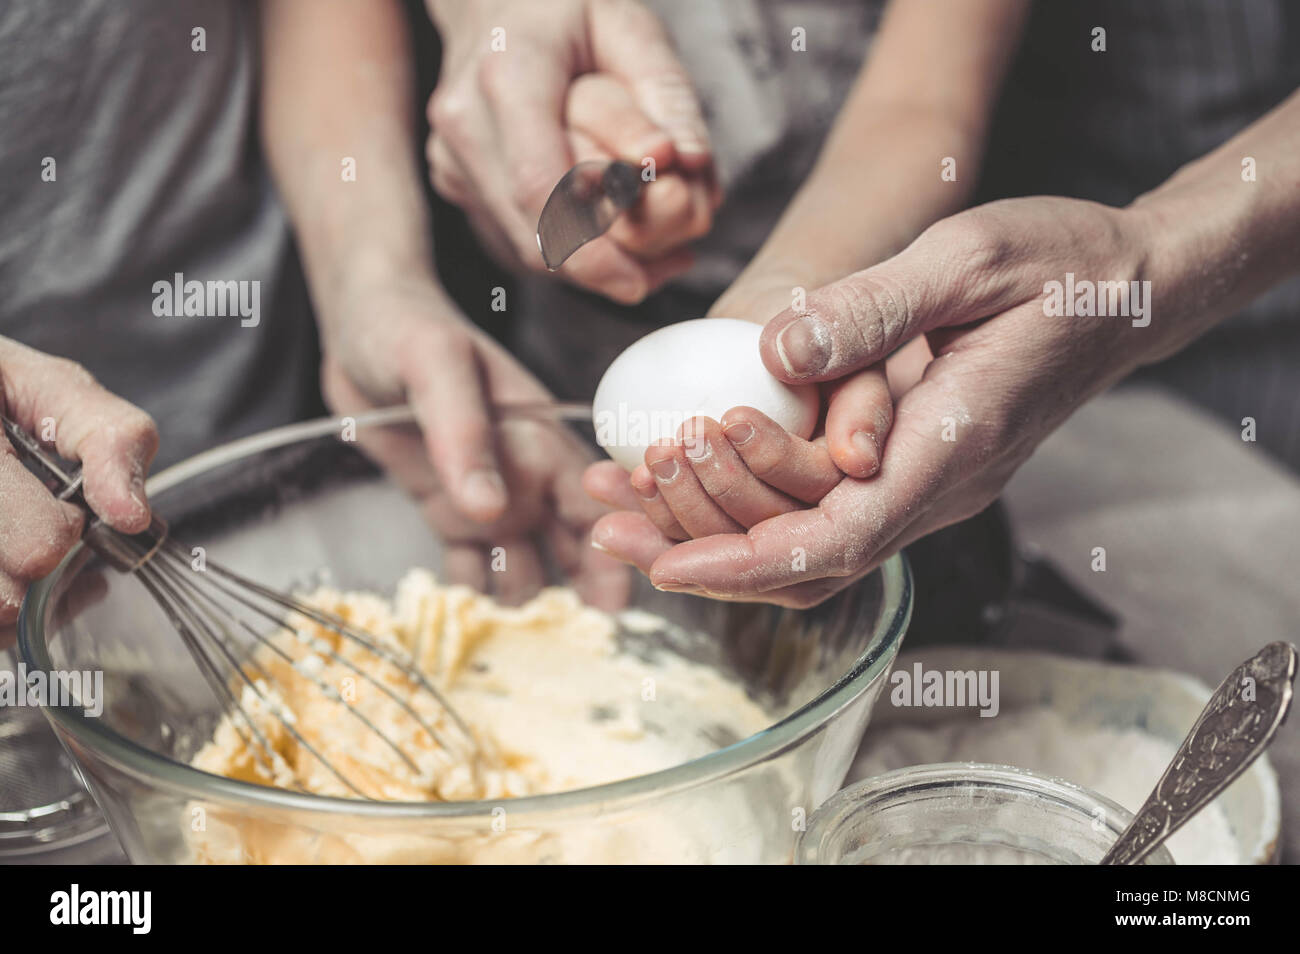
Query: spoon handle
point(1232, 731)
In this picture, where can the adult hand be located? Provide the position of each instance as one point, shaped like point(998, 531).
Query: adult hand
point(60, 404)
point(483, 483)
point(561, 82)
point(859, 407)
point(729, 475)
point(1005, 374)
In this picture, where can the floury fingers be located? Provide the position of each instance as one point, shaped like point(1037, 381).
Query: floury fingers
point(84, 688)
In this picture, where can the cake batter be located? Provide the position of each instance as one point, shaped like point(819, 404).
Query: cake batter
point(552, 699)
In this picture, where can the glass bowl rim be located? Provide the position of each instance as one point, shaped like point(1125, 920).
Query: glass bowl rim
point(159, 771)
point(859, 796)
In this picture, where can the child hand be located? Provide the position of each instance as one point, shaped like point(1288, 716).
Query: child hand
point(724, 477)
point(727, 476)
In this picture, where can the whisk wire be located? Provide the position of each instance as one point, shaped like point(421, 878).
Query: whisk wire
point(157, 571)
point(330, 692)
point(166, 598)
point(337, 624)
point(193, 603)
point(220, 636)
point(405, 666)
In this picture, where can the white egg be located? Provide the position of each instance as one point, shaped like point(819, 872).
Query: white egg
point(703, 367)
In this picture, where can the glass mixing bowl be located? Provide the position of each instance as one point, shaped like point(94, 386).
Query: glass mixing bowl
point(964, 813)
point(298, 506)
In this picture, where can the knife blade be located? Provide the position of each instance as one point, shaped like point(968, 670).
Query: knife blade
point(583, 205)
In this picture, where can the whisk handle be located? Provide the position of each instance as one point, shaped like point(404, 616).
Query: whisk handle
point(124, 552)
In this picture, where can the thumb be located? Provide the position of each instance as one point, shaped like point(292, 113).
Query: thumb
point(442, 377)
point(628, 41)
point(951, 275)
point(602, 108)
point(60, 403)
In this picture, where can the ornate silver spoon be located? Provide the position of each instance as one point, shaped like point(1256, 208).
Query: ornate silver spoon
point(1233, 730)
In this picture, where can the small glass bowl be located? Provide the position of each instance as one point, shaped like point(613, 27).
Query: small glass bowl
point(964, 813)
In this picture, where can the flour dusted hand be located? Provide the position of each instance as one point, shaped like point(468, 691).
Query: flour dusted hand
point(62, 406)
point(714, 442)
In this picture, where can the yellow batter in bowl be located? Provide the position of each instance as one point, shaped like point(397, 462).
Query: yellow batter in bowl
point(553, 699)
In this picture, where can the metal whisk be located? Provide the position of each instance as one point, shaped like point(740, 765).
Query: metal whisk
point(216, 612)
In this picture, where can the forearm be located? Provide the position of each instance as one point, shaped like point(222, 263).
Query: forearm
point(858, 208)
point(1218, 239)
point(337, 97)
point(884, 174)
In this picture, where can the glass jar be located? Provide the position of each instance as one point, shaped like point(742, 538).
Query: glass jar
point(964, 813)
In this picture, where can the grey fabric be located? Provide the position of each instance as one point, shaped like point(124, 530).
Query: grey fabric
point(1178, 78)
point(158, 172)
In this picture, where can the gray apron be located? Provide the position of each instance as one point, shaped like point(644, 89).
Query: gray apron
point(157, 171)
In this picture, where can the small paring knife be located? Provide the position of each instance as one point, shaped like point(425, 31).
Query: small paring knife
point(583, 205)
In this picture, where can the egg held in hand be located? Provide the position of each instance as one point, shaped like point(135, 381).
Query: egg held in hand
point(694, 368)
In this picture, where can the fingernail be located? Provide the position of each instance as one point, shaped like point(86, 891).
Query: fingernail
point(697, 448)
point(647, 491)
point(484, 490)
point(689, 144)
point(804, 347)
point(691, 137)
point(739, 433)
point(665, 469)
point(597, 532)
point(650, 144)
point(137, 494)
point(865, 444)
point(676, 587)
